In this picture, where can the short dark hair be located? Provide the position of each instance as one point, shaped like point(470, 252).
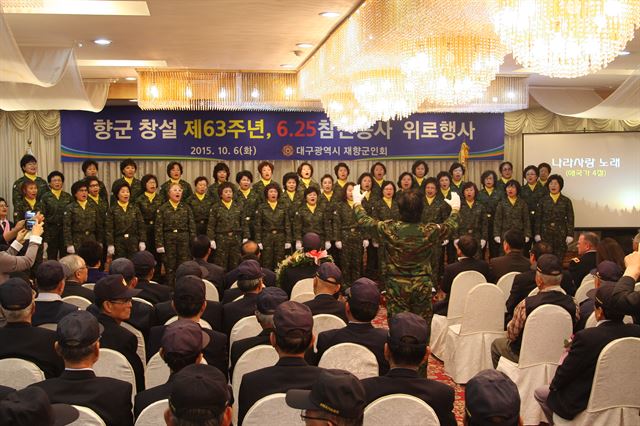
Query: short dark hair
point(432, 180)
point(443, 174)
point(27, 183)
point(299, 169)
point(146, 178)
point(411, 205)
point(558, 179)
point(513, 183)
point(54, 174)
point(530, 167)
point(91, 252)
point(387, 183)
point(200, 179)
point(592, 237)
point(295, 342)
point(242, 174)
point(540, 248)
point(272, 185)
point(486, 174)
point(187, 307)
point(177, 361)
point(199, 246)
point(545, 165)
point(220, 167)
point(77, 186)
point(248, 285)
point(127, 162)
point(378, 163)
point(515, 238)
point(363, 311)
point(88, 163)
point(407, 351)
point(26, 159)
point(402, 175)
point(364, 175)
point(337, 167)
point(265, 164)
point(505, 163)
point(457, 165)
point(171, 165)
point(415, 165)
point(118, 186)
point(223, 186)
point(311, 189)
point(76, 353)
point(609, 313)
point(344, 192)
point(326, 176)
point(468, 245)
point(468, 185)
point(288, 176)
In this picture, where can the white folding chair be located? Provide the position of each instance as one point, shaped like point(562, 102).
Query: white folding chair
point(614, 398)
point(400, 410)
point(153, 414)
point(272, 410)
point(245, 327)
point(87, 417)
point(581, 293)
point(90, 286)
point(324, 322)
point(78, 301)
point(235, 284)
point(113, 364)
point(354, 358)
point(19, 373)
point(592, 321)
point(505, 283)
point(141, 300)
point(303, 297)
point(637, 287)
point(211, 292)
point(542, 345)
point(49, 326)
point(461, 286)
point(203, 323)
point(157, 372)
point(587, 278)
point(302, 286)
point(258, 357)
point(537, 290)
point(468, 347)
point(141, 350)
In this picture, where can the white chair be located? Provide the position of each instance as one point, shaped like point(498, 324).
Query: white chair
point(141, 300)
point(587, 278)
point(354, 358)
point(238, 298)
point(542, 345)
point(211, 292)
point(87, 417)
point(141, 350)
point(399, 410)
point(49, 326)
point(258, 357)
point(245, 327)
point(303, 286)
point(19, 373)
point(461, 286)
point(614, 398)
point(203, 323)
point(468, 347)
point(592, 321)
point(113, 364)
point(637, 287)
point(90, 286)
point(303, 297)
point(324, 322)
point(505, 283)
point(153, 414)
point(157, 371)
point(78, 301)
point(581, 293)
point(235, 284)
point(272, 410)
point(537, 290)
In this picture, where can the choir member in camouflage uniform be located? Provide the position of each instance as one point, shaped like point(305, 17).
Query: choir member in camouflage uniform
point(457, 172)
point(444, 193)
point(349, 239)
point(174, 171)
point(101, 204)
point(124, 226)
point(378, 171)
point(128, 169)
point(435, 211)
point(365, 180)
point(29, 202)
point(148, 203)
point(29, 166)
point(227, 228)
point(327, 201)
point(265, 170)
point(342, 172)
point(221, 174)
point(506, 174)
point(555, 217)
point(489, 197)
point(473, 219)
point(305, 177)
point(512, 213)
point(174, 228)
point(544, 170)
point(247, 199)
point(273, 229)
point(291, 198)
point(531, 192)
point(385, 208)
point(310, 217)
point(200, 203)
point(54, 203)
point(90, 169)
point(81, 221)
point(407, 249)
point(420, 170)
point(406, 182)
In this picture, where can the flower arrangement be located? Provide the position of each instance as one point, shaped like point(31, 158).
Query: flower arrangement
point(301, 258)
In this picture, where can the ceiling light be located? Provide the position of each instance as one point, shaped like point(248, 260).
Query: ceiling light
point(130, 78)
point(287, 65)
point(624, 53)
point(102, 41)
point(77, 7)
point(329, 14)
point(133, 100)
point(304, 45)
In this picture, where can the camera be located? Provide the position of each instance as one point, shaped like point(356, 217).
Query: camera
point(30, 219)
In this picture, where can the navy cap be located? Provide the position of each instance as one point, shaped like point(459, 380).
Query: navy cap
point(407, 324)
point(363, 290)
point(607, 271)
point(490, 394)
point(311, 241)
point(549, 264)
point(190, 287)
point(15, 294)
point(124, 267)
point(199, 392)
point(31, 406)
point(329, 272)
point(184, 337)
point(603, 297)
point(291, 316)
point(191, 267)
point(49, 274)
point(269, 299)
point(78, 329)
point(113, 287)
point(143, 262)
point(250, 270)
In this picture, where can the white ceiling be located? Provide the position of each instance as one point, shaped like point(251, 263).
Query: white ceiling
point(231, 35)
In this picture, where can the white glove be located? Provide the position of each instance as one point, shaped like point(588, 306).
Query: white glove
point(287, 246)
point(260, 246)
point(212, 245)
point(327, 245)
point(160, 250)
point(569, 240)
point(537, 238)
point(339, 245)
point(142, 246)
point(71, 250)
point(526, 239)
point(455, 242)
point(244, 240)
point(111, 250)
point(496, 239)
point(298, 245)
point(365, 243)
point(375, 244)
point(357, 195)
point(483, 243)
point(445, 242)
point(454, 202)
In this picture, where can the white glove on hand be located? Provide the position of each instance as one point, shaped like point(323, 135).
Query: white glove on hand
point(365, 243)
point(327, 245)
point(71, 250)
point(445, 242)
point(483, 243)
point(375, 244)
point(244, 240)
point(111, 250)
point(298, 245)
point(455, 242)
point(160, 250)
point(142, 246)
point(339, 245)
point(260, 246)
point(454, 202)
point(357, 195)
point(496, 239)
point(287, 246)
point(212, 245)
point(526, 239)
point(537, 238)
point(569, 240)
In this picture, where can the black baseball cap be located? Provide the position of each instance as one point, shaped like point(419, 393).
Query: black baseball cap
point(603, 296)
point(335, 391)
point(363, 290)
point(113, 287)
point(199, 387)
point(608, 270)
point(143, 262)
point(490, 394)
point(184, 337)
point(78, 329)
point(49, 274)
point(311, 241)
point(407, 324)
point(291, 316)
point(191, 267)
point(15, 294)
point(329, 272)
point(31, 406)
point(124, 267)
point(269, 299)
point(190, 287)
point(250, 270)
point(549, 264)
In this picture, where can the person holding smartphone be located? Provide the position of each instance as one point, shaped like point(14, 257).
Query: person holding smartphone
point(11, 261)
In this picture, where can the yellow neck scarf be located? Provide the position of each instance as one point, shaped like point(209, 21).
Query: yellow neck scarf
point(56, 193)
point(312, 208)
point(96, 198)
point(272, 204)
point(457, 183)
point(379, 182)
point(128, 180)
point(445, 193)
point(200, 196)
point(470, 204)
point(555, 197)
point(175, 181)
point(32, 203)
point(265, 182)
point(245, 192)
point(513, 200)
point(83, 204)
point(419, 180)
point(387, 201)
point(328, 195)
point(350, 202)
point(32, 177)
point(291, 195)
point(504, 180)
point(150, 195)
point(342, 183)
point(489, 190)
point(306, 182)
point(532, 187)
point(227, 204)
point(174, 204)
point(123, 205)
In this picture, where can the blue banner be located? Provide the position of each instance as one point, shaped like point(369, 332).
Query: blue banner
point(128, 132)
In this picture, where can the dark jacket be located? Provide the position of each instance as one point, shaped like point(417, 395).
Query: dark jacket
point(235, 311)
point(152, 292)
point(149, 396)
point(122, 340)
point(327, 304)
point(511, 262)
point(451, 271)
point(48, 312)
point(239, 347)
point(212, 313)
point(74, 288)
point(22, 340)
point(579, 267)
point(524, 282)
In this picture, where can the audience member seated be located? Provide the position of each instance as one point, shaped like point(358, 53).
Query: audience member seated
point(548, 279)
point(466, 248)
point(189, 303)
point(336, 398)
point(363, 299)
point(524, 282)
point(200, 247)
point(292, 337)
point(144, 265)
point(250, 251)
point(625, 299)
point(18, 338)
point(76, 274)
point(113, 299)
point(91, 252)
point(491, 398)
point(610, 249)
point(49, 305)
point(250, 284)
point(266, 304)
point(78, 343)
point(513, 260)
point(580, 266)
point(326, 287)
point(406, 349)
point(568, 393)
point(31, 406)
point(12, 261)
point(606, 274)
point(182, 345)
point(313, 249)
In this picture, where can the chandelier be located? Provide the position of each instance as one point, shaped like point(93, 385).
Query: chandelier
point(567, 38)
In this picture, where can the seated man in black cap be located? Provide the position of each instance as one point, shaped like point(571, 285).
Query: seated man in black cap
point(363, 300)
point(182, 345)
point(491, 398)
point(76, 274)
point(406, 349)
point(250, 283)
point(606, 274)
point(91, 252)
point(144, 265)
point(19, 338)
point(31, 406)
point(302, 265)
point(249, 251)
point(189, 303)
point(49, 305)
point(199, 395)
point(266, 304)
point(78, 343)
point(200, 247)
point(113, 298)
point(337, 397)
point(292, 336)
point(326, 287)
point(548, 279)
point(568, 393)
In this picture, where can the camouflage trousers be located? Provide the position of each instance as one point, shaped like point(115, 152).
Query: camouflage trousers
point(351, 257)
point(125, 247)
point(55, 242)
point(558, 243)
point(409, 294)
point(272, 249)
point(176, 246)
point(228, 251)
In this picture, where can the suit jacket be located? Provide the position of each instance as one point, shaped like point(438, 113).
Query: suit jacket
point(363, 334)
point(234, 311)
point(571, 385)
point(154, 293)
point(296, 273)
point(580, 266)
point(402, 380)
point(22, 340)
point(269, 278)
point(511, 262)
point(215, 274)
point(212, 313)
point(95, 274)
point(11, 261)
point(122, 340)
point(74, 288)
point(451, 271)
point(109, 398)
point(327, 304)
point(149, 396)
point(524, 282)
point(230, 295)
point(288, 373)
point(241, 346)
point(51, 311)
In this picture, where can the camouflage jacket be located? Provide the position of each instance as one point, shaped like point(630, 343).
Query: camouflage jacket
point(490, 202)
point(555, 217)
point(227, 221)
point(186, 189)
point(79, 221)
point(120, 223)
point(199, 208)
point(532, 198)
point(346, 223)
point(318, 222)
point(270, 220)
point(509, 216)
point(170, 220)
point(436, 212)
point(136, 188)
point(473, 221)
point(149, 208)
point(43, 187)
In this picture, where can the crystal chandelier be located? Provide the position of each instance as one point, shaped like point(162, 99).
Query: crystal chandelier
point(568, 38)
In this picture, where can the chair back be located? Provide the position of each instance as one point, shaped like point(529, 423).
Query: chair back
point(272, 410)
point(303, 297)
point(581, 293)
point(483, 310)
point(141, 349)
point(235, 284)
point(543, 336)
point(78, 301)
point(19, 373)
point(153, 414)
point(90, 286)
point(87, 417)
point(246, 327)
point(400, 410)
point(211, 292)
point(354, 358)
point(505, 283)
point(113, 364)
point(460, 288)
point(302, 286)
point(537, 290)
point(203, 323)
point(324, 322)
point(158, 372)
point(591, 321)
point(141, 300)
point(586, 279)
point(637, 287)
point(49, 326)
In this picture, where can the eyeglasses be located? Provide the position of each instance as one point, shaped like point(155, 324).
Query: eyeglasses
point(120, 301)
point(304, 417)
